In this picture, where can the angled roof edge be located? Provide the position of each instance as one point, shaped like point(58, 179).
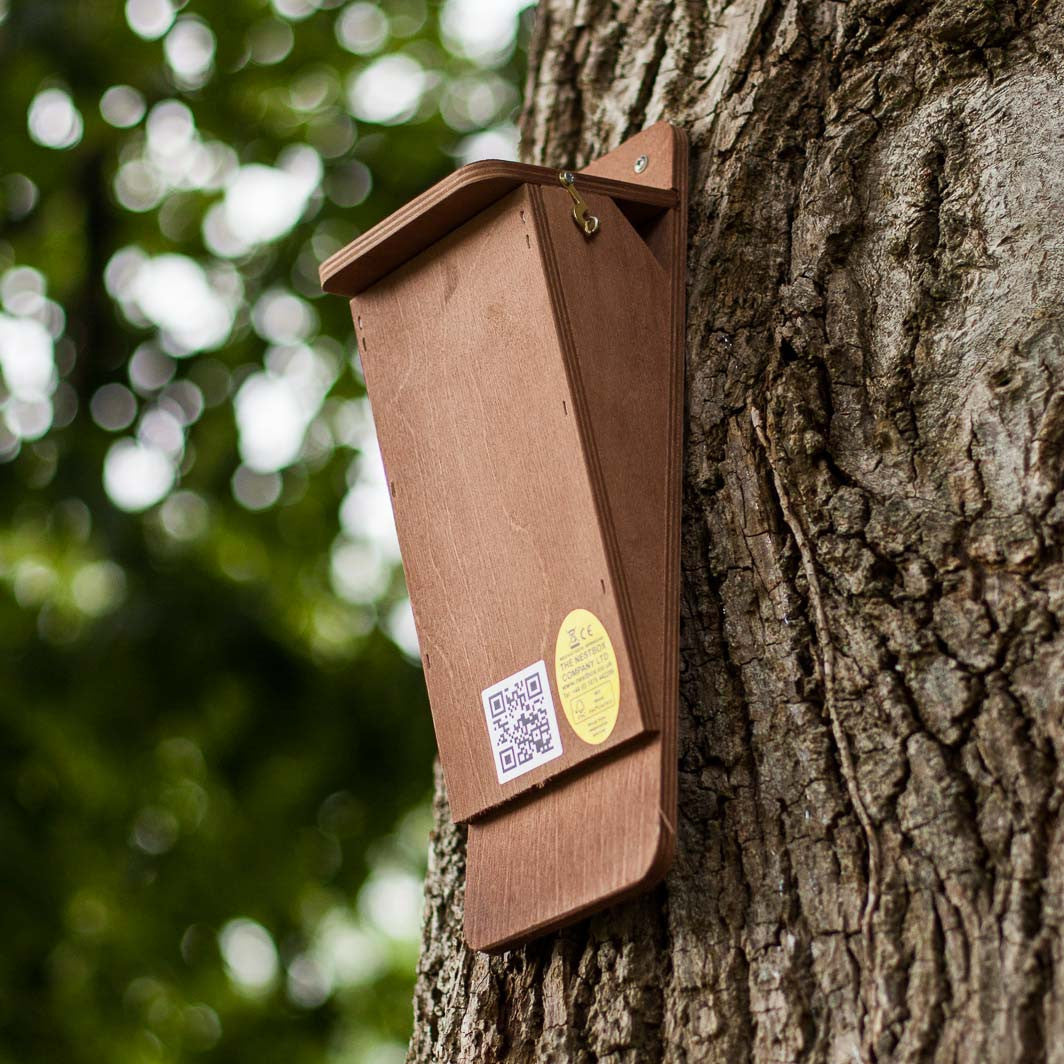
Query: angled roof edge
point(452, 202)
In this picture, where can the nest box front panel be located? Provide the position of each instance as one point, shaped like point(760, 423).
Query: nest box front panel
point(530, 666)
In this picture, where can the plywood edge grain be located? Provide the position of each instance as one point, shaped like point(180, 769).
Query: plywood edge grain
point(449, 204)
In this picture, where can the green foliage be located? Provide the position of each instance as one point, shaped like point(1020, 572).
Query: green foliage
point(215, 747)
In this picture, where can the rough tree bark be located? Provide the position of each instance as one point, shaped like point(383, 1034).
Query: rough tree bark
point(871, 849)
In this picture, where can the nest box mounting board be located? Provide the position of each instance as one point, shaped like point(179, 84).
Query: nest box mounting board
point(521, 334)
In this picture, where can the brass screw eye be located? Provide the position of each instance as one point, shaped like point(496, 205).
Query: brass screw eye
point(588, 222)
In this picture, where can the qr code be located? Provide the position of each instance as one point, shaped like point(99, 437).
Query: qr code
point(522, 722)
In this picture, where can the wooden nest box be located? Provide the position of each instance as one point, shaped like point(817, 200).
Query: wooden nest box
point(521, 333)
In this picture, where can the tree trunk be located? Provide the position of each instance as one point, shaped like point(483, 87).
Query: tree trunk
point(870, 860)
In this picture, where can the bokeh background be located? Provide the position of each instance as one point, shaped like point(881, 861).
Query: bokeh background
point(215, 746)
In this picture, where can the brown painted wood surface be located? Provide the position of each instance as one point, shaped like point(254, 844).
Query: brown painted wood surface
point(500, 530)
point(526, 383)
point(609, 831)
point(612, 312)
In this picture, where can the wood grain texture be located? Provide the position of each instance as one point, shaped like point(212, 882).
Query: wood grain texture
point(525, 385)
point(500, 531)
point(609, 832)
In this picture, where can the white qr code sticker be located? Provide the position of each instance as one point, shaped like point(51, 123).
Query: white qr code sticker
point(522, 722)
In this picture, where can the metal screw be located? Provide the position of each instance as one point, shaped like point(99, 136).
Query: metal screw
point(641, 164)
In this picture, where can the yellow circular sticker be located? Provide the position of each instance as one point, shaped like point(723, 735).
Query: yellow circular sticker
point(585, 667)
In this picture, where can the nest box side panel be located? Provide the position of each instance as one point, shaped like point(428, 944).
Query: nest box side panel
point(608, 832)
point(612, 307)
point(659, 157)
point(495, 511)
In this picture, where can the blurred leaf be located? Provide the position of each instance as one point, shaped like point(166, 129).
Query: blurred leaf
point(216, 746)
